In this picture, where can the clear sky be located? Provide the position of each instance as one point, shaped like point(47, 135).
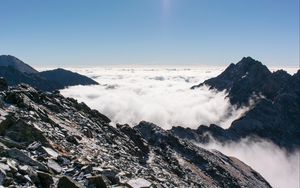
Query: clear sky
point(95, 32)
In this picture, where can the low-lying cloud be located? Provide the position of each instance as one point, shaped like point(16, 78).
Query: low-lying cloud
point(162, 96)
point(278, 167)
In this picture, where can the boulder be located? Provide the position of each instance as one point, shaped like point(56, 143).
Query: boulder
point(2, 176)
point(23, 158)
point(96, 182)
point(72, 139)
point(67, 182)
point(50, 152)
point(46, 179)
point(138, 183)
point(56, 168)
point(21, 132)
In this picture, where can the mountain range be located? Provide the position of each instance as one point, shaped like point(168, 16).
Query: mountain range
point(16, 72)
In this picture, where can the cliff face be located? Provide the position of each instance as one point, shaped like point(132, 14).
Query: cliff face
point(47, 140)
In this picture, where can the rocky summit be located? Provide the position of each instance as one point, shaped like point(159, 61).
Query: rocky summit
point(47, 140)
point(246, 79)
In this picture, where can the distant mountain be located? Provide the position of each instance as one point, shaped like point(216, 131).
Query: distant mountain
point(246, 78)
point(275, 117)
point(66, 78)
point(15, 77)
point(8, 60)
point(16, 72)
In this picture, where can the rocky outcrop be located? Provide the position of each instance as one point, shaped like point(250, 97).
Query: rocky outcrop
point(47, 140)
point(275, 116)
point(16, 72)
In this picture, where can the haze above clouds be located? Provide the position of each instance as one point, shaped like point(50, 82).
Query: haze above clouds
point(162, 95)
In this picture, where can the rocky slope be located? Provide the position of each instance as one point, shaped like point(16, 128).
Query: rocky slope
point(275, 116)
point(16, 72)
point(47, 140)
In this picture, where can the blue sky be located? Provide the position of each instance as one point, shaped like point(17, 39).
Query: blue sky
point(95, 32)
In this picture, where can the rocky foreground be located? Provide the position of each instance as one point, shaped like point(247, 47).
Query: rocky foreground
point(47, 140)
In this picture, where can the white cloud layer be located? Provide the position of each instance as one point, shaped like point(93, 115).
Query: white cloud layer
point(278, 167)
point(159, 95)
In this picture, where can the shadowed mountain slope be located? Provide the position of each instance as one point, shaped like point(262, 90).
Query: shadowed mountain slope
point(16, 72)
point(8, 60)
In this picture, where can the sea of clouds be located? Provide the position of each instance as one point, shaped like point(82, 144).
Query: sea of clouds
point(162, 95)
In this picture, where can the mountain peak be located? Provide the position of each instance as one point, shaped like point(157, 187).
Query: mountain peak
point(248, 62)
point(248, 59)
point(12, 61)
point(241, 79)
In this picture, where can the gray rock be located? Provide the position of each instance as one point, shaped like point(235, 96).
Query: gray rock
point(2, 176)
point(87, 169)
point(4, 167)
point(67, 182)
point(72, 139)
point(46, 179)
point(23, 158)
point(34, 146)
point(50, 152)
point(96, 182)
point(22, 132)
point(88, 133)
point(54, 166)
point(12, 165)
point(138, 183)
